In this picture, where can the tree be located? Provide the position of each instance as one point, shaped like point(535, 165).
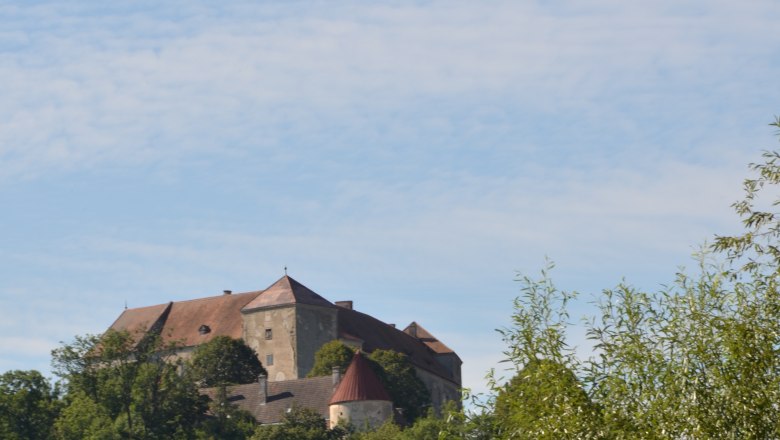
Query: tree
point(127, 380)
point(221, 362)
point(28, 405)
point(225, 361)
point(545, 400)
point(84, 419)
point(699, 358)
point(332, 354)
point(298, 424)
point(544, 397)
point(397, 374)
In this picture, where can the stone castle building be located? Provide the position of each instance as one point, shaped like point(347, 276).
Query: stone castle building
point(286, 324)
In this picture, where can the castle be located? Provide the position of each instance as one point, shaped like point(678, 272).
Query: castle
point(286, 324)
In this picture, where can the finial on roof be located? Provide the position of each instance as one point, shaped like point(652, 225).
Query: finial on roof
point(285, 270)
point(125, 304)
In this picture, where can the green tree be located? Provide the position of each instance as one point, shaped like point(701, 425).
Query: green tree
point(298, 424)
point(544, 397)
point(397, 374)
point(221, 362)
point(84, 419)
point(28, 405)
point(699, 358)
point(332, 354)
point(126, 379)
point(225, 361)
point(545, 400)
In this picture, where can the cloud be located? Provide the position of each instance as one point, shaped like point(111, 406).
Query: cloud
point(159, 85)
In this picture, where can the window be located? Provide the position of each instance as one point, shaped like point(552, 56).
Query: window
point(269, 359)
point(269, 334)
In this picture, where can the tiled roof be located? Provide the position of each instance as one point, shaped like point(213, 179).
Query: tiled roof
point(378, 335)
point(427, 338)
point(141, 320)
point(180, 321)
point(287, 291)
point(312, 393)
point(359, 383)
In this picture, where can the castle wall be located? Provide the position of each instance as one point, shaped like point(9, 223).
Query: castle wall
point(280, 342)
point(315, 327)
point(441, 390)
point(452, 363)
point(363, 415)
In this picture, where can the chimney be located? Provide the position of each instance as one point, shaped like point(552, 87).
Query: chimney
point(344, 304)
point(263, 381)
point(227, 292)
point(336, 376)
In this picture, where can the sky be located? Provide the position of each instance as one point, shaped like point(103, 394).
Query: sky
point(413, 157)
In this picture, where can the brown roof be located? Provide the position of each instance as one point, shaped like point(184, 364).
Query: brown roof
point(142, 319)
point(312, 393)
point(378, 335)
point(427, 338)
point(287, 291)
point(359, 383)
point(180, 321)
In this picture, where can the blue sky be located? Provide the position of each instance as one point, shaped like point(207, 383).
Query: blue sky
point(410, 156)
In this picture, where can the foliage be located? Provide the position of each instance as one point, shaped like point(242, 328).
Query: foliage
point(452, 424)
point(229, 423)
point(125, 380)
point(225, 361)
point(699, 358)
point(331, 354)
point(28, 405)
point(84, 419)
point(545, 400)
point(757, 248)
point(397, 374)
point(388, 431)
point(298, 424)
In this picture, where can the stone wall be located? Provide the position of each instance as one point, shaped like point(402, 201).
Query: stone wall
point(441, 390)
point(316, 326)
point(272, 331)
point(363, 415)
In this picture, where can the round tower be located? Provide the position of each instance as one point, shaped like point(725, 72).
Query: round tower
point(360, 398)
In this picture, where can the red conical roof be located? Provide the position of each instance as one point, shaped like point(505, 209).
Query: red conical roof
point(359, 383)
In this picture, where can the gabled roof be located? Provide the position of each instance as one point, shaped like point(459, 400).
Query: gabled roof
point(416, 330)
point(378, 335)
point(312, 393)
point(287, 291)
point(141, 320)
point(179, 322)
point(359, 383)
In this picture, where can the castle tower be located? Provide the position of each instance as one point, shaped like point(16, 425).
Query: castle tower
point(360, 398)
point(286, 324)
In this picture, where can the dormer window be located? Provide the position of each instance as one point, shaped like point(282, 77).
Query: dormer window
point(203, 329)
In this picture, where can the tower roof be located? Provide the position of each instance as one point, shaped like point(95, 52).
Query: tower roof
point(416, 330)
point(359, 383)
point(287, 291)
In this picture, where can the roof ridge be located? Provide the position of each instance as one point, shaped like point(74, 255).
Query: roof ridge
point(218, 296)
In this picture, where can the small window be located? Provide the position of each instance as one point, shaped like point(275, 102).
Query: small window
point(269, 334)
point(269, 359)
